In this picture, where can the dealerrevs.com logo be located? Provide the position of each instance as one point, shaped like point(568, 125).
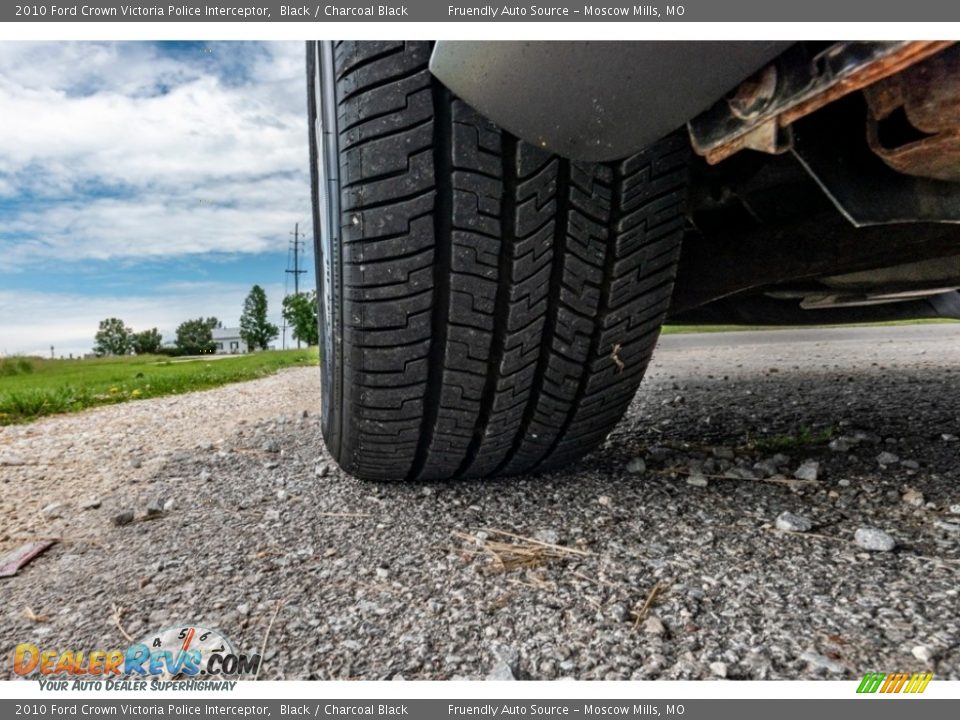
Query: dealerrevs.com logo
point(172, 657)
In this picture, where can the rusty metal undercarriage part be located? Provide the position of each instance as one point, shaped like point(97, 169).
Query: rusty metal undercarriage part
point(759, 114)
point(832, 147)
point(914, 122)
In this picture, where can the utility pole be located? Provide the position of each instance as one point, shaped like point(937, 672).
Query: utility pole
point(296, 272)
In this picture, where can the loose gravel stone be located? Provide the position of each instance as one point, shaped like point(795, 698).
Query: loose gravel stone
point(636, 466)
point(809, 471)
point(123, 518)
point(887, 458)
point(823, 662)
point(793, 523)
point(874, 540)
point(654, 626)
point(924, 653)
point(842, 444)
point(913, 497)
point(780, 460)
point(697, 480)
point(54, 510)
point(619, 613)
point(766, 468)
point(506, 655)
point(719, 669)
point(500, 672)
point(740, 473)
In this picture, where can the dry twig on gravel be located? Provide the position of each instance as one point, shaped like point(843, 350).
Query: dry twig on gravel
point(640, 614)
point(519, 551)
point(266, 637)
point(117, 620)
point(30, 615)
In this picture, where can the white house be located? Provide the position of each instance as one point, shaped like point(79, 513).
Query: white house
point(227, 341)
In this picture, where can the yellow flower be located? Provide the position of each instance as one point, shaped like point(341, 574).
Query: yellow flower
point(114, 389)
point(135, 393)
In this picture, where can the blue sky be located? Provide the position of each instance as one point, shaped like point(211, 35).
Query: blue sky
point(154, 182)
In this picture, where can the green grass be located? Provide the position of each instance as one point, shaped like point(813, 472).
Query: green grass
point(32, 387)
point(804, 437)
point(684, 329)
point(15, 366)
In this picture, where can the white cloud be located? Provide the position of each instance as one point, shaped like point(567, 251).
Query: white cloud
point(123, 151)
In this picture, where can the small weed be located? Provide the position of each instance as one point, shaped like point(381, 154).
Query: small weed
point(804, 437)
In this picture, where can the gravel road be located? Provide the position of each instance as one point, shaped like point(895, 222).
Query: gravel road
point(775, 505)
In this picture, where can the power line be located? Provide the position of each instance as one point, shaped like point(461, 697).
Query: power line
point(296, 272)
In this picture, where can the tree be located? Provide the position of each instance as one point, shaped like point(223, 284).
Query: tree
point(147, 342)
point(113, 338)
point(255, 329)
point(195, 337)
point(300, 311)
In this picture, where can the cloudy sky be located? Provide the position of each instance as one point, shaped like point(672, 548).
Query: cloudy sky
point(148, 181)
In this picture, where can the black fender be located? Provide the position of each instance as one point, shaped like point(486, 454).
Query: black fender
point(596, 101)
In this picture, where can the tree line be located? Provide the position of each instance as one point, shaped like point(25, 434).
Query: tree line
point(195, 337)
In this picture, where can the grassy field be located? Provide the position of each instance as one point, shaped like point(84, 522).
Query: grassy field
point(31, 387)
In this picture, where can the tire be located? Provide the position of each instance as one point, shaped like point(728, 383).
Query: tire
point(487, 308)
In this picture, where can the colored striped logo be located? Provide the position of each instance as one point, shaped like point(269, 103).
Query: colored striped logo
point(895, 682)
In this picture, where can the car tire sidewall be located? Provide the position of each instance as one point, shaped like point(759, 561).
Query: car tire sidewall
point(324, 138)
